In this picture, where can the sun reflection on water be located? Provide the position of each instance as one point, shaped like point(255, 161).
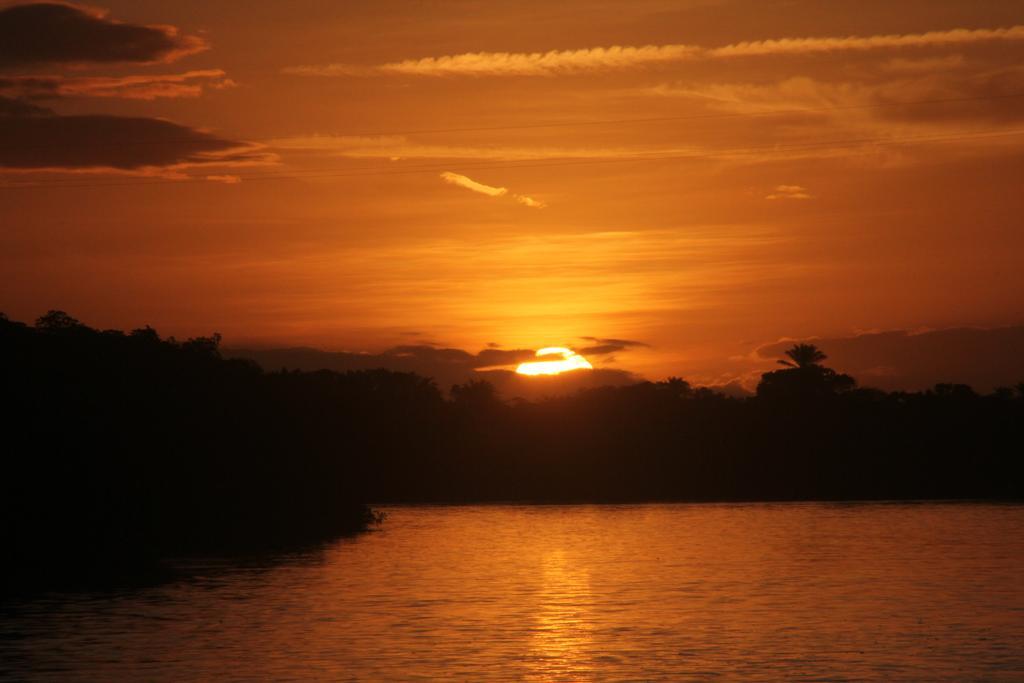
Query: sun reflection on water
point(562, 635)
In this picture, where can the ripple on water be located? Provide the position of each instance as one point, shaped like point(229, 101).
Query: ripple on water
point(762, 592)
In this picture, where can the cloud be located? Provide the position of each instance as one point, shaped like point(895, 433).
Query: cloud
point(328, 70)
point(530, 202)
point(557, 62)
point(63, 33)
point(925, 65)
point(515, 63)
point(398, 147)
point(537, 63)
point(447, 366)
point(788, 46)
point(188, 84)
point(620, 342)
point(987, 93)
point(788, 95)
point(473, 186)
point(226, 179)
point(788, 192)
point(601, 349)
point(494, 357)
point(883, 104)
point(603, 346)
point(33, 138)
point(982, 358)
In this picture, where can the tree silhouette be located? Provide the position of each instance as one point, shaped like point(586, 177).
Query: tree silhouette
point(477, 393)
point(804, 377)
point(803, 355)
point(208, 346)
point(146, 334)
point(678, 387)
point(122, 447)
point(56, 321)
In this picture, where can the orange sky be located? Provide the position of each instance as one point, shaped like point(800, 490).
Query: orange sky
point(705, 177)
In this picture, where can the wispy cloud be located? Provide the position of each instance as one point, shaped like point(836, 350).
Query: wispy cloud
point(530, 202)
point(792, 94)
point(226, 179)
point(789, 192)
point(617, 342)
point(542, 63)
point(474, 186)
point(956, 36)
point(543, 286)
point(397, 147)
point(514, 63)
point(558, 62)
point(901, 94)
point(142, 87)
point(925, 65)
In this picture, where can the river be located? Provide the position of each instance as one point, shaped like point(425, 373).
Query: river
point(928, 591)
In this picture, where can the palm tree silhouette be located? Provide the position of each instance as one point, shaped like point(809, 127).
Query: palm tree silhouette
point(803, 355)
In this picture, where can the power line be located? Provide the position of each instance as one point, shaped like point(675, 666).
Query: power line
point(511, 165)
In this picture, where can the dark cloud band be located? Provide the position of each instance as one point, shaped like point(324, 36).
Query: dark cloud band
point(35, 138)
point(58, 33)
point(609, 344)
point(446, 366)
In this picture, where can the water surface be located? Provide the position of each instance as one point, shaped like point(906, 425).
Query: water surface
point(663, 592)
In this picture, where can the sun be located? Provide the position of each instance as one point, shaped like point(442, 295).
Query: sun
point(554, 360)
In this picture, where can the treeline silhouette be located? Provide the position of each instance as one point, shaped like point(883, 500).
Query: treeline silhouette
point(129, 445)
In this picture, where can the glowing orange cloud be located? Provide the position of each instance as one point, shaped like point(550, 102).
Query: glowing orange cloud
point(556, 62)
point(567, 360)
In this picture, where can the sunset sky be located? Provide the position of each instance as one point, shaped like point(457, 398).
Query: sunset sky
point(676, 186)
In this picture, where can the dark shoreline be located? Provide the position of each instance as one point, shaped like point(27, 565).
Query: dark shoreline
point(122, 449)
